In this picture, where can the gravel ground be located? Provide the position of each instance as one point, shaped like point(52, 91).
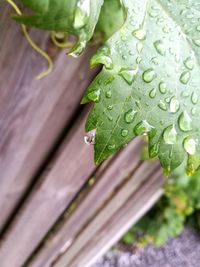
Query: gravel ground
point(183, 251)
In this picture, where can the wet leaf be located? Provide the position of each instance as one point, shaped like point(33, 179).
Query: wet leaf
point(151, 79)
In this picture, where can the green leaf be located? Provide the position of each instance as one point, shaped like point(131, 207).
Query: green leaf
point(150, 83)
point(111, 18)
point(40, 6)
point(76, 17)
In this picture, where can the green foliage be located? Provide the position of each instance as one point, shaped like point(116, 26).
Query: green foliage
point(180, 203)
point(149, 82)
point(76, 17)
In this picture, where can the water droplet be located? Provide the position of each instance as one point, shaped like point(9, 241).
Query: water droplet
point(163, 88)
point(189, 145)
point(153, 150)
point(138, 60)
point(162, 105)
point(89, 138)
point(170, 135)
point(154, 60)
point(166, 29)
point(198, 28)
point(185, 77)
point(185, 94)
point(130, 115)
point(189, 63)
point(138, 104)
point(128, 75)
point(174, 105)
point(160, 48)
point(108, 94)
point(194, 98)
point(139, 34)
point(82, 13)
point(94, 95)
point(109, 80)
point(142, 127)
point(124, 132)
point(111, 147)
point(110, 107)
point(152, 93)
point(185, 122)
point(139, 47)
point(167, 100)
point(197, 42)
point(148, 75)
point(193, 111)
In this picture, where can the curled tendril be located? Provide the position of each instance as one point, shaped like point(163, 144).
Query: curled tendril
point(33, 45)
point(62, 44)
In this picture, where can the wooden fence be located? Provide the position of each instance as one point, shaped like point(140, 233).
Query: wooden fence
point(56, 207)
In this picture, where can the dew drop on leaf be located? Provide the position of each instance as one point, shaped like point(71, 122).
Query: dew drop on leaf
point(189, 63)
point(130, 115)
point(185, 77)
point(194, 98)
point(162, 105)
point(189, 145)
point(110, 107)
point(139, 34)
point(111, 147)
point(94, 95)
point(185, 122)
point(160, 48)
point(185, 94)
point(174, 105)
point(149, 75)
point(138, 60)
point(198, 28)
point(128, 75)
point(170, 135)
point(153, 150)
point(142, 127)
point(193, 111)
point(197, 42)
point(154, 60)
point(139, 47)
point(108, 94)
point(163, 88)
point(124, 132)
point(152, 93)
point(138, 104)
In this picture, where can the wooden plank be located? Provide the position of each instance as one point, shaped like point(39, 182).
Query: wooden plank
point(107, 180)
point(33, 113)
point(52, 194)
point(120, 223)
point(109, 209)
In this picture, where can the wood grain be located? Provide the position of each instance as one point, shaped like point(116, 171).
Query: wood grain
point(33, 114)
point(110, 224)
point(107, 181)
point(63, 178)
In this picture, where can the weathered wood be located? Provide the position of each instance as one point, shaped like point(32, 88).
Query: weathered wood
point(114, 229)
point(141, 174)
point(109, 226)
point(107, 180)
point(33, 113)
point(71, 167)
